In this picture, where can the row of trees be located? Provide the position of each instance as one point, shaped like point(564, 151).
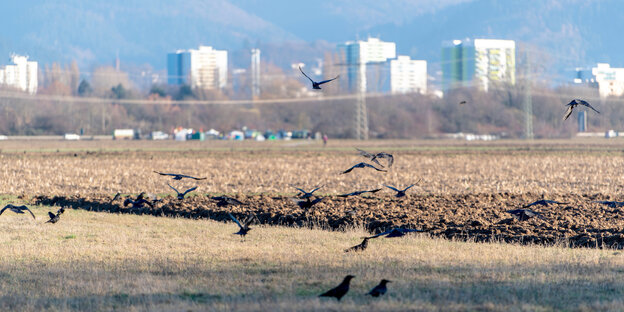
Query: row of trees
point(499, 111)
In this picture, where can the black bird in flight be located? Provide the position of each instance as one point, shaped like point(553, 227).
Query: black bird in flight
point(179, 176)
point(307, 203)
point(374, 157)
point(138, 203)
point(306, 195)
point(396, 232)
point(400, 193)
point(380, 289)
point(53, 217)
point(317, 85)
point(17, 209)
point(363, 165)
point(223, 201)
point(612, 204)
point(359, 247)
point(525, 214)
point(181, 195)
point(574, 103)
point(243, 228)
point(358, 193)
point(543, 202)
point(340, 290)
point(462, 102)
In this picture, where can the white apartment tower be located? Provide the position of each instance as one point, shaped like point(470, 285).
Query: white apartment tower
point(358, 55)
point(407, 75)
point(22, 74)
point(204, 68)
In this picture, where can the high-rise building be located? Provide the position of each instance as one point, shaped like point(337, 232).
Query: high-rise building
point(360, 56)
point(22, 74)
point(478, 62)
point(407, 75)
point(204, 68)
point(610, 80)
point(255, 73)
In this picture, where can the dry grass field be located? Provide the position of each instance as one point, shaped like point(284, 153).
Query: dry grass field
point(116, 261)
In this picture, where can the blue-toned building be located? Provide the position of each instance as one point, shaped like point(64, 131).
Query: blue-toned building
point(179, 68)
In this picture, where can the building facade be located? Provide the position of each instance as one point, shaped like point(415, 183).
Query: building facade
point(22, 74)
point(478, 62)
point(610, 80)
point(358, 57)
point(204, 68)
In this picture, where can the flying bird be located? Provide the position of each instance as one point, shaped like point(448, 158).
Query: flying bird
point(363, 165)
point(53, 217)
point(243, 228)
point(340, 290)
point(462, 102)
point(306, 204)
point(116, 197)
point(543, 202)
point(138, 203)
point(181, 195)
point(612, 204)
point(358, 193)
point(359, 247)
point(374, 157)
point(306, 195)
point(574, 103)
point(396, 232)
point(525, 214)
point(317, 85)
point(400, 193)
point(223, 201)
point(380, 289)
point(17, 209)
point(177, 176)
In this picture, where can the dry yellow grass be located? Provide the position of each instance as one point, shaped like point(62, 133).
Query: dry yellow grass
point(101, 261)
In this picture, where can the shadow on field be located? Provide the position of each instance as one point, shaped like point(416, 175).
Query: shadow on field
point(473, 217)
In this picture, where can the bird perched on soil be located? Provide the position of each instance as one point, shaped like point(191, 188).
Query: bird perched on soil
point(181, 195)
point(177, 176)
point(358, 193)
point(223, 201)
point(116, 197)
point(306, 195)
point(380, 289)
point(374, 157)
point(339, 291)
point(243, 228)
point(396, 232)
point(543, 202)
point(138, 202)
point(360, 247)
point(317, 85)
point(574, 103)
point(400, 193)
point(612, 204)
point(17, 209)
point(307, 203)
point(363, 165)
point(525, 214)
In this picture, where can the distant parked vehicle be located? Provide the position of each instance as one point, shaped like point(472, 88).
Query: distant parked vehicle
point(159, 135)
point(125, 134)
point(71, 137)
point(3, 137)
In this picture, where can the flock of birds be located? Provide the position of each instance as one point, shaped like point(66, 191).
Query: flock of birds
point(306, 200)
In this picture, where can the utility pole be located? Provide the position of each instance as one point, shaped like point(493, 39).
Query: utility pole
point(528, 104)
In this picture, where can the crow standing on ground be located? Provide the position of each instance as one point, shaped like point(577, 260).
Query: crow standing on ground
point(380, 289)
point(138, 203)
point(317, 85)
point(17, 209)
point(543, 202)
point(396, 232)
point(612, 204)
point(340, 290)
point(223, 201)
point(177, 176)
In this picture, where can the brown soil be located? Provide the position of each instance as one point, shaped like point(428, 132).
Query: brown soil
point(479, 217)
